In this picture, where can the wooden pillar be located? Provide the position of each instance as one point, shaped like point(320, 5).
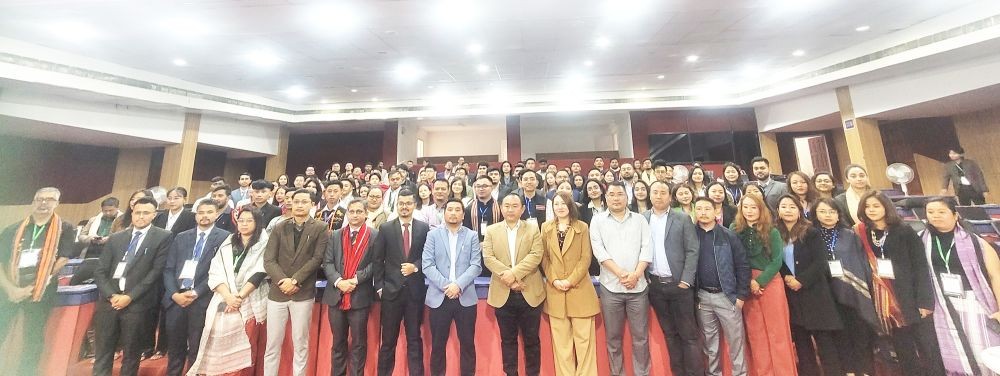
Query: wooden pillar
point(864, 141)
point(769, 150)
point(514, 138)
point(178, 160)
point(276, 164)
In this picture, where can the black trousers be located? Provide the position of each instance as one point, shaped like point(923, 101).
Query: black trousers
point(825, 347)
point(675, 310)
point(186, 324)
point(517, 316)
point(855, 343)
point(353, 322)
point(917, 348)
point(109, 326)
point(34, 317)
point(465, 324)
point(969, 196)
point(410, 311)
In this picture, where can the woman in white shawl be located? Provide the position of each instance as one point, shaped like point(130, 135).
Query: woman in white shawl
point(238, 308)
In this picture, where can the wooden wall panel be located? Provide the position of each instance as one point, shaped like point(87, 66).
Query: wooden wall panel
point(929, 137)
point(979, 133)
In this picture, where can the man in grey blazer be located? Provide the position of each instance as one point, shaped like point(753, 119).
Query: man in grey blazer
point(451, 261)
point(350, 265)
point(773, 190)
point(671, 278)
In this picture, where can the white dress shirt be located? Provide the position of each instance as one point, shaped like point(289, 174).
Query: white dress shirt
point(512, 242)
point(142, 236)
point(657, 227)
point(452, 253)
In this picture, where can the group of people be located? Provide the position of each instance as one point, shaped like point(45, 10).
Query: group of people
point(796, 276)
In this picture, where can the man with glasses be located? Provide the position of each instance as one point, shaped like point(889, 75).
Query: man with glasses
point(534, 203)
point(484, 210)
point(36, 248)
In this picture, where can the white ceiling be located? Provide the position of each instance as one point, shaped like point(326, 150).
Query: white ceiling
point(530, 47)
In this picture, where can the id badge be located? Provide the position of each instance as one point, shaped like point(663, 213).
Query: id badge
point(837, 269)
point(965, 181)
point(482, 229)
point(187, 272)
point(885, 268)
point(951, 285)
point(119, 270)
point(29, 258)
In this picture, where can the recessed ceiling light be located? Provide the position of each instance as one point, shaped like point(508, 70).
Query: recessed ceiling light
point(588, 63)
point(862, 28)
point(420, 118)
point(602, 42)
point(354, 90)
point(482, 68)
point(180, 62)
point(691, 58)
point(73, 31)
point(263, 58)
point(660, 77)
point(324, 101)
point(798, 53)
point(408, 71)
point(430, 86)
point(374, 99)
point(474, 48)
point(296, 92)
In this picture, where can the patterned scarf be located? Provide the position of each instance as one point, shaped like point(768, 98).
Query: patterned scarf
point(352, 257)
point(46, 258)
point(890, 315)
point(475, 213)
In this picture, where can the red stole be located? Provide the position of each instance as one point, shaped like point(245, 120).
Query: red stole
point(352, 257)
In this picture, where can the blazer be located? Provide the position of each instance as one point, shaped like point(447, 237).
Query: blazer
point(913, 286)
point(681, 243)
point(185, 221)
point(813, 306)
point(845, 212)
point(571, 263)
point(970, 170)
point(283, 260)
point(436, 263)
point(496, 257)
point(389, 249)
point(267, 212)
point(333, 266)
point(238, 196)
point(773, 193)
point(144, 273)
point(181, 250)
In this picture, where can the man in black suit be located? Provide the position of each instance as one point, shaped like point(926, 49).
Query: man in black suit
point(350, 264)
point(400, 245)
point(129, 270)
point(185, 283)
point(259, 200)
point(175, 219)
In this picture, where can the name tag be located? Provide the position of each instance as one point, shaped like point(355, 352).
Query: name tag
point(951, 285)
point(965, 181)
point(482, 229)
point(885, 268)
point(187, 272)
point(837, 269)
point(119, 271)
point(29, 258)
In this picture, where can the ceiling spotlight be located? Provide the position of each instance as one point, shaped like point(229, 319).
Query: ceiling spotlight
point(691, 58)
point(296, 92)
point(408, 72)
point(263, 58)
point(588, 63)
point(660, 77)
point(602, 42)
point(482, 68)
point(354, 90)
point(862, 28)
point(180, 62)
point(798, 53)
point(474, 48)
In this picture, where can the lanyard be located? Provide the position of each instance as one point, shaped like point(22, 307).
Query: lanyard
point(946, 257)
point(239, 259)
point(527, 203)
point(36, 231)
point(833, 244)
point(482, 212)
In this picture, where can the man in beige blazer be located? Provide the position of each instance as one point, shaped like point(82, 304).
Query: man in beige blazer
point(512, 250)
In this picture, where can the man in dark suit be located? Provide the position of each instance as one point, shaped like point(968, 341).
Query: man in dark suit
point(400, 246)
point(350, 266)
point(185, 283)
point(220, 195)
point(259, 200)
point(130, 268)
point(773, 190)
point(175, 219)
point(966, 177)
point(671, 276)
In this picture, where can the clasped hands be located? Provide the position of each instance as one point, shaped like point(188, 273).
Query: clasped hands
point(508, 279)
point(347, 286)
point(185, 299)
point(629, 279)
point(288, 286)
point(120, 301)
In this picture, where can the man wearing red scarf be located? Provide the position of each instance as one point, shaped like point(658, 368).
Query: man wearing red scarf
point(349, 267)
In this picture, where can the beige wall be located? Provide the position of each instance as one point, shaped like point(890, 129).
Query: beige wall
point(979, 133)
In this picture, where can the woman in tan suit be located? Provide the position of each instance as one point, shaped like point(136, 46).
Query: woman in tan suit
point(571, 301)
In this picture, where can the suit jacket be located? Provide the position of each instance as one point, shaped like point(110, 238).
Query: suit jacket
point(496, 257)
point(143, 275)
point(436, 263)
point(333, 266)
point(813, 306)
point(267, 212)
point(681, 243)
point(181, 250)
point(237, 196)
point(389, 248)
point(283, 260)
point(185, 221)
point(913, 285)
point(773, 193)
point(970, 169)
point(571, 262)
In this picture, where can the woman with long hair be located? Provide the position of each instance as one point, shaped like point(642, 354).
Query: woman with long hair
point(801, 187)
point(460, 191)
point(579, 185)
point(561, 187)
point(593, 201)
point(125, 220)
point(734, 183)
point(725, 211)
point(826, 186)
point(640, 197)
point(508, 181)
point(299, 181)
point(765, 313)
point(856, 178)
point(697, 181)
point(902, 288)
point(608, 177)
point(683, 199)
point(282, 180)
point(965, 270)
point(814, 315)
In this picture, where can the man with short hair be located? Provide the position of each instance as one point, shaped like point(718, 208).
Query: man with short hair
point(335, 168)
point(350, 263)
point(310, 171)
point(374, 216)
point(185, 286)
point(615, 168)
point(95, 234)
point(294, 252)
point(599, 164)
point(260, 198)
point(216, 182)
point(543, 165)
point(243, 192)
point(671, 275)
point(128, 274)
point(176, 218)
point(220, 195)
point(433, 214)
point(495, 175)
point(32, 251)
point(534, 202)
point(723, 285)
point(512, 250)
point(664, 172)
point(392, 194)
point(529, 164)
point(773, 190)
point(451, 262)
point(400, 284)
point(627, 176)
point(621, 243)
point(595, 174)
point(484, 210)
point(331, 212)
point(575, 168)
point(965, 176)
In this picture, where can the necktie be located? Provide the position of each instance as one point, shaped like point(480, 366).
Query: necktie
point(132, 247)
point(406, 240)
point(199, 246)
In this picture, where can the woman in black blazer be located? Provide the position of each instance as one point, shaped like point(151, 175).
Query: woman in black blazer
point(811, 305)
point(901, 285)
